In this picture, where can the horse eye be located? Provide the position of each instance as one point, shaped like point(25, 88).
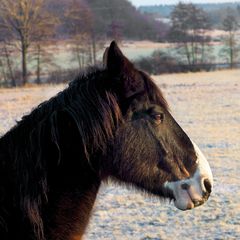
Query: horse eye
point(158, 118)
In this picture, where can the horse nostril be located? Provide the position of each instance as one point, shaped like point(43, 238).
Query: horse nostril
point(207, 185)
point(185, 186)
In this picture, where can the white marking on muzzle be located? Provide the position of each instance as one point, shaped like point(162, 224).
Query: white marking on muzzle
point(189, 192)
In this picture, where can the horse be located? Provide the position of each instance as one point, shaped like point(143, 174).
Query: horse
point(112, 121)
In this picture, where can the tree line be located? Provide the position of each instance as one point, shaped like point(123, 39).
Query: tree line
point(29, 27)
point(193, 51)
point(216, 12)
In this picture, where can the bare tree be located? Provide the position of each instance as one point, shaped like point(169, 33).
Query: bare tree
point(7, 63)
point(80, 21)
point(24, 20)
point(189, 25)
point(40, 44)
point(230, 50)
point(3, 74)
point(238, 9)
point(81, 50)
point(42, 58)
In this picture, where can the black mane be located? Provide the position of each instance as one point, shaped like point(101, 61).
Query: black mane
point(87, 105)
point(86, 101)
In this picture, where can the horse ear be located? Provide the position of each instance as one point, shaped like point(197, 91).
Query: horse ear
point(105, 56)
point(118, 65)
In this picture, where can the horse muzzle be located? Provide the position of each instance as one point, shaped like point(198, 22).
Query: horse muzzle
point(189, 194)
point(193, 192)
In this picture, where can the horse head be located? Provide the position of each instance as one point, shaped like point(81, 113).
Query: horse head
point(150, 150)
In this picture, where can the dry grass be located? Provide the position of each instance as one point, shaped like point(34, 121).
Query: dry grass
point(16, 102)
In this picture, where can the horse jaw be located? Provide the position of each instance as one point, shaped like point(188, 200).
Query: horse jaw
point(194, 191)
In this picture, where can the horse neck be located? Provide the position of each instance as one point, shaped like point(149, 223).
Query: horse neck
point(73, 210)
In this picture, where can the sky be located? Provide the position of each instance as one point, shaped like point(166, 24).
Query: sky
point(157, 2)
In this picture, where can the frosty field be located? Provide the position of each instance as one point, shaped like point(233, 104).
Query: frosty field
point(207, 106)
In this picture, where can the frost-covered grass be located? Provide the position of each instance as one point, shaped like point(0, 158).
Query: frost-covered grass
point(207, 106)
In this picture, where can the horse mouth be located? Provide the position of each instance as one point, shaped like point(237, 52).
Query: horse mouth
point(188, 194)
point(187, 201)
point(191, 203)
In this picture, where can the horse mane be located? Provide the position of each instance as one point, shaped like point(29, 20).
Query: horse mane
point(85, 102)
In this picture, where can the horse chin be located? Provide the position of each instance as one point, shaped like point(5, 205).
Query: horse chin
point(185, 202)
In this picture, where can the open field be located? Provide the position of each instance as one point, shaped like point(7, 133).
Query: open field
point(207, 106)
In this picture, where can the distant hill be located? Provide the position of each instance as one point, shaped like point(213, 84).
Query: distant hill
point(216, 11)
point(108, 14)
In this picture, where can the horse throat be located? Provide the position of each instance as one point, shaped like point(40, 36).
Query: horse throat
point(72, 213)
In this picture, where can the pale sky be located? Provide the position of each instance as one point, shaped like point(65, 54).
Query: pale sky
point(157, 2)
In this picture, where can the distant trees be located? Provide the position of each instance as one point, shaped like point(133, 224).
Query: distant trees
point(159, 63)
point(120, 18)
point(25, 21)
point(230, 50)
point(29, 29)
point(188, 31)
point(41, 58)
point(7, 66)
point(218, 15)
point(29, 25)
point(80, 20)
point(238, 9)
point(110, 18)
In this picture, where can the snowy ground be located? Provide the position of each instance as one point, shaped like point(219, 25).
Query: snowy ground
point(207, 106)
